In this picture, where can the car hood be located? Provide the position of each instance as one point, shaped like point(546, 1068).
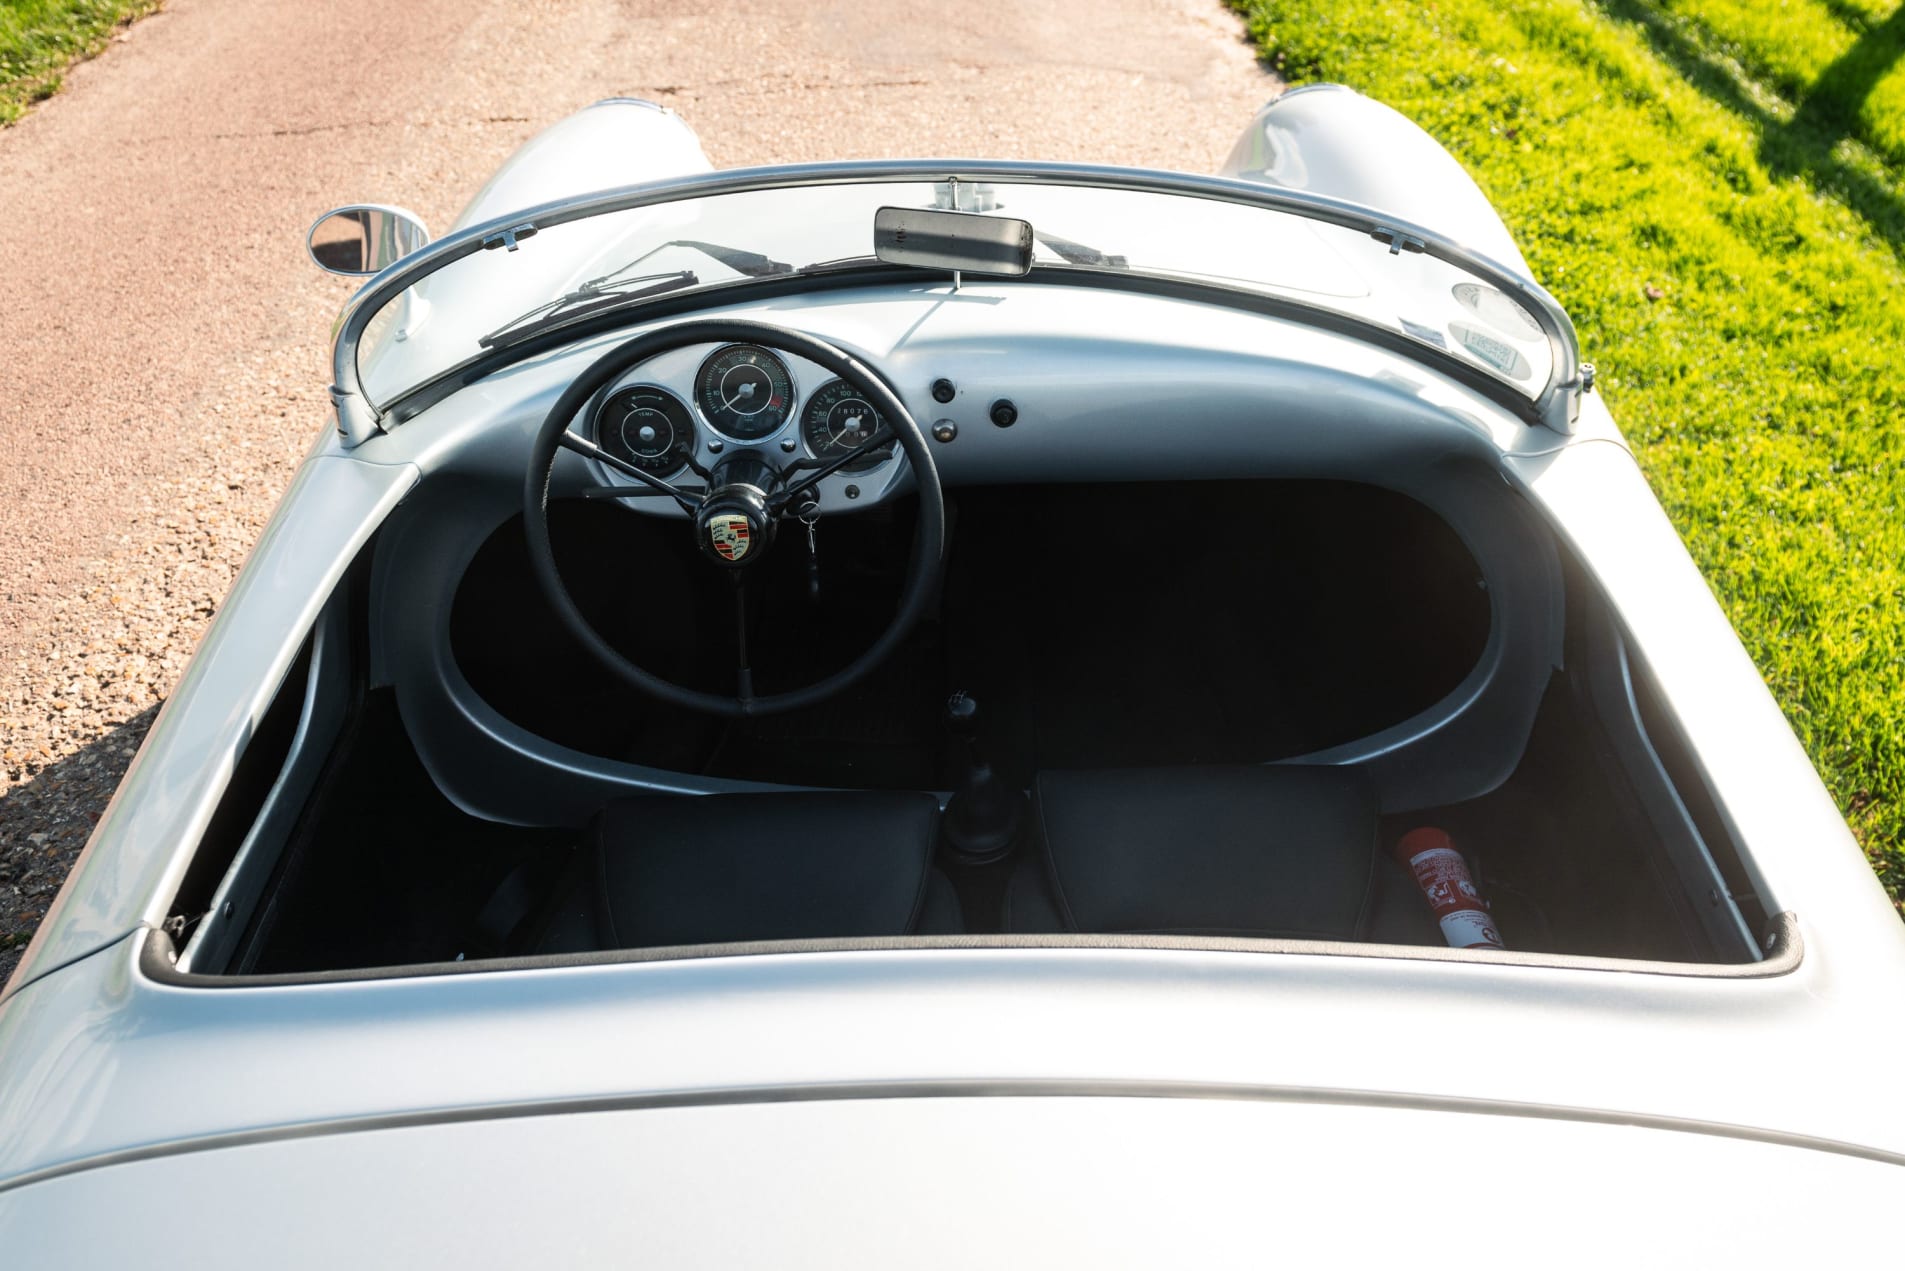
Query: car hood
point(958, 1181)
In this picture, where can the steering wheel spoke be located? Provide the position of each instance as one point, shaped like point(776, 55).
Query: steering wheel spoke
point(610, 493)
point(689, 502)
point(790, 495)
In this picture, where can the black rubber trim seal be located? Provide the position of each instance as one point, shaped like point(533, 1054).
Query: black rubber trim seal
point(1784, 952)
point(929, 533)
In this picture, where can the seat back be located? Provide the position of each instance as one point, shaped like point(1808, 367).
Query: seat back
point(673, 870)
point(1248, 850)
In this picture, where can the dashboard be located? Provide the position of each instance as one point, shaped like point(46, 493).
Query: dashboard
point(1102, 387)
point(1010, 386)
point(693, 413)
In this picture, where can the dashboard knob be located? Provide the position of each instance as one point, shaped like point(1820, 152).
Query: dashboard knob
point(1004, 413)
point(943, 391)
point(944, 430)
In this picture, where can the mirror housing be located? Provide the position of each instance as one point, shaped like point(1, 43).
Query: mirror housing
point(364, 238)
point(963, 242)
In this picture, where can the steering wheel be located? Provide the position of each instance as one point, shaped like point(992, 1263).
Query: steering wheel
point(734, 515)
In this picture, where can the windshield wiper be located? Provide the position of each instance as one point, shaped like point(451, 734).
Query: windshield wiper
point(612, 289)
point(606, 292)
point(753, 264)
point(1078, 253)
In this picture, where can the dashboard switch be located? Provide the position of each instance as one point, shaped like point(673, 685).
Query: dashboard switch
point(944, 430)
point(1004, 413)
point(943, 391)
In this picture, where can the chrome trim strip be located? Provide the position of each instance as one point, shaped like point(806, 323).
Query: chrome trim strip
point(1011, 1088)
point(1785, 951)
point(358, 420)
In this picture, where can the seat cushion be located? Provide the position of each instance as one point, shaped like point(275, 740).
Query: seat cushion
point(1249, 850)
point(676, 869)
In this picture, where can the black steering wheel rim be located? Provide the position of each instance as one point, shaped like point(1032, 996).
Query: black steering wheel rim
point(929, 535)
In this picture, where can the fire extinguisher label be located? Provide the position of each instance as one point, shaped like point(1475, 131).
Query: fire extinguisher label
point(1470, 929)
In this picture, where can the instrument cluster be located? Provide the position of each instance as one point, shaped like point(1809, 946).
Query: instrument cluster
point(743, 394)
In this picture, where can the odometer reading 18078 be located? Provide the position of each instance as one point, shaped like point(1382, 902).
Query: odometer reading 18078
point(839, 420)
point(744, 392)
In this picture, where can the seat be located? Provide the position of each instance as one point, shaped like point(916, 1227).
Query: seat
point(680, 869)
point(1267, 851)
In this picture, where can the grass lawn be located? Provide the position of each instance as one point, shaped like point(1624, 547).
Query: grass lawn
point(1743, 161)
point(39, 39)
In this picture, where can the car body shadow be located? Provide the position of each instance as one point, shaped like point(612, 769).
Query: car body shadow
point(45, 823)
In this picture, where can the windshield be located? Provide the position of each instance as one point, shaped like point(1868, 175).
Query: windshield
point(488, 299)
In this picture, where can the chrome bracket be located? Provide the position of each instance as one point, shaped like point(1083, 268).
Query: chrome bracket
point(508, 238)
point(1398, 241)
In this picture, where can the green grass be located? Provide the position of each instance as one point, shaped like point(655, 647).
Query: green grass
point(1743, 159)
point(39, 39)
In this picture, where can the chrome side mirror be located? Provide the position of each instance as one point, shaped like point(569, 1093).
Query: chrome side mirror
point(364, 238)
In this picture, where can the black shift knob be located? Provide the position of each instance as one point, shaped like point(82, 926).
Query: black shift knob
point(962, 715)
point(982, 817)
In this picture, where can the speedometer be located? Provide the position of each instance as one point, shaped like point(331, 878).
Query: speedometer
point(744, 392)
point(647, 427)
point(837, 420)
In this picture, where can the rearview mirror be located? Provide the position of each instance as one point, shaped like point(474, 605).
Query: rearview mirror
point(958, 241)
point(364, 238)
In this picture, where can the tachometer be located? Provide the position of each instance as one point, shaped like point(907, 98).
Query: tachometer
point(744, 392)
point(838, 419)
point(647, 427)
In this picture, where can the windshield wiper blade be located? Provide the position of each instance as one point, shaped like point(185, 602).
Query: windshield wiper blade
point(1078, 253)
point(753, 264)
point(591, 297)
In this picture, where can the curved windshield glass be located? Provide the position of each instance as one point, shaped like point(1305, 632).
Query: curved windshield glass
point(489, 299)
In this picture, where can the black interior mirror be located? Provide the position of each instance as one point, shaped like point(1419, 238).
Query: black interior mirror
point(963, 242)
point(364, 238)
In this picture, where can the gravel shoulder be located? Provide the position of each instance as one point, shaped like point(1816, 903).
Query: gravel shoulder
point(167, 340)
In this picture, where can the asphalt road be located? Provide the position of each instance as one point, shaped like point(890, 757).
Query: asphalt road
point(165, 339)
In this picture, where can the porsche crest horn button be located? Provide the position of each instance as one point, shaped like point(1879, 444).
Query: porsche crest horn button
point(731, 536)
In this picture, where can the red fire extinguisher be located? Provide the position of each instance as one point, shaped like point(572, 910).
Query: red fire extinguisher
point(1443, 876)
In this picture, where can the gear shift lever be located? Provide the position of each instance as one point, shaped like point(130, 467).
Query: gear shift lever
point(982, 818)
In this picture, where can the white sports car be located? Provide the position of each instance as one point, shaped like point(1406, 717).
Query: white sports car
point(946, 713)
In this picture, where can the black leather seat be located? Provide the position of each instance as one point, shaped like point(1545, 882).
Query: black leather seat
point(679, 869)
point(1254, 850)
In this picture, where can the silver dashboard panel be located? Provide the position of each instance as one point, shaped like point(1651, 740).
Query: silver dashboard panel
point(676, 373)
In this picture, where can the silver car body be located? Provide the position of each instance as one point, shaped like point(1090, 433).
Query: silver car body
point(1130, 1102)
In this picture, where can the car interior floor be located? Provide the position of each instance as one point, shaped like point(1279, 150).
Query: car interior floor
point(386, 871)
point(1099, 626)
